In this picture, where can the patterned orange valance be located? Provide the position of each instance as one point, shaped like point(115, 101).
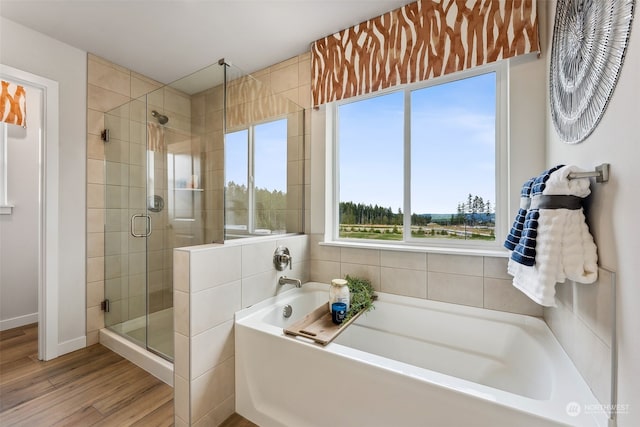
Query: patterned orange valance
point(13, 104)
point(419, 41)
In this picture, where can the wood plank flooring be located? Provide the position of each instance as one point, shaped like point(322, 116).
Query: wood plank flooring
point(89, 387)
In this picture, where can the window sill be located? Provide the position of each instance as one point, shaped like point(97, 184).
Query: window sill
point(6, 209)
point(501, 253)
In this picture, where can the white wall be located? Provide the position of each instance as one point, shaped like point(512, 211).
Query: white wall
point(19, 231)
point(36, 53)
point(614, 206)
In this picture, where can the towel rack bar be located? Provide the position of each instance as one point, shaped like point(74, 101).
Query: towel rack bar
point(601, 174)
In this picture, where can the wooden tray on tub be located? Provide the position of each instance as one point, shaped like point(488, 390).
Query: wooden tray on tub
point(318, 326)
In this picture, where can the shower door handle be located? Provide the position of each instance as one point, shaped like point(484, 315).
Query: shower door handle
point(132, 225)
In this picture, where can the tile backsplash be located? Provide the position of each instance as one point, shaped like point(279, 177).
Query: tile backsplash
point(460, 279)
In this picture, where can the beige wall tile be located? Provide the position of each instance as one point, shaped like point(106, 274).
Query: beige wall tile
point(323, 253)
point(304, 96)
point(258, 258)
point(219, 414)
point(95, 318)
point(211, 389)
point(182, 354)
point(298, 247)
point(211, 348)
point(95, 220)
point(211, 307)
point(592, 357)
point(403, 259)
point(95, 147)
point(96, 58)
point(101, 99)
point(455, 288)
point(593, 304)
point(95, 293)
point(95, 269)
point(95, 244)
point(107, 77)
point(181, 323)
point(324, 271)
point(500, 294)
point(141, 85)
point(93, 337)
point(304, 71)
point(214, 266)
point(370, 272)
point(402, 281)
point(360, 256)
point(95, 171)
point(181, 398)
point(261, 286)
point(455, 264)
point(283, 64)
point(95, 122)
point(285, 78)
point(181, 270)
point(496, 268)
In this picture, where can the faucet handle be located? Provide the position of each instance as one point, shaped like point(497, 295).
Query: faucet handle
point(282, 257)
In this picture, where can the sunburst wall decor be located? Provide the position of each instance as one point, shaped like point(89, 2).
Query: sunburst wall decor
point(590, 38)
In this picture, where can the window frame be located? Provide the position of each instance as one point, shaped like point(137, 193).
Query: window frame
point(251, 202)
point(332, 178)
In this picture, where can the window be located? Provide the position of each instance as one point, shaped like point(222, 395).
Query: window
point(5, 208)
point(256, 179)
point(431, 150)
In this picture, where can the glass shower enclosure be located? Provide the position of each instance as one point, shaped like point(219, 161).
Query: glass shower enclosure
point(166, 186)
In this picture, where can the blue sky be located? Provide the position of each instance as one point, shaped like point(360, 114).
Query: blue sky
point(270, 168)
point(453, 146)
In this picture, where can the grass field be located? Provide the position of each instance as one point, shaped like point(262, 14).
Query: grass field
point(432, 231)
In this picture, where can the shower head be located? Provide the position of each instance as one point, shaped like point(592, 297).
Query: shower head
point(161, 118)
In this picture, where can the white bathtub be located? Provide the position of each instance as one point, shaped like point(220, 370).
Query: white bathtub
point(409, 362)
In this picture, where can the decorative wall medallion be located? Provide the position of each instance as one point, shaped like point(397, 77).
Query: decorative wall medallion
point(590, 38)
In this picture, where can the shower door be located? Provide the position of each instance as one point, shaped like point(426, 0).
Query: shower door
point(127, 225)
point(152, 205)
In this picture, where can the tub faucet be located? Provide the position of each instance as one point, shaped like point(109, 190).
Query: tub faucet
point(284, 280)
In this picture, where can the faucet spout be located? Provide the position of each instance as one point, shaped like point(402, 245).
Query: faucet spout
point(284, 280)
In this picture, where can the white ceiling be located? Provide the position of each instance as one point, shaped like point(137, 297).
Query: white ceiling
point(169, 39)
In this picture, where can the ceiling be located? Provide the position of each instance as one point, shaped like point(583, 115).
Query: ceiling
point(169, 39)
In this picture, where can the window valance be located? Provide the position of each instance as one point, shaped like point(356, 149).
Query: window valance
point(419, 41)
point(13, 107)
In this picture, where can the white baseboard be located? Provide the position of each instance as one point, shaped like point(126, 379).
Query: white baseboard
point(72, 345)
point(15, 322)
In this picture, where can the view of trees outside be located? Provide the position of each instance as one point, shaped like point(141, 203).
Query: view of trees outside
point(267, 153)
point(452, 163)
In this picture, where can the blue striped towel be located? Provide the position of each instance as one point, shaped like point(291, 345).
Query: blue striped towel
point(525, 251)
point(516, 230)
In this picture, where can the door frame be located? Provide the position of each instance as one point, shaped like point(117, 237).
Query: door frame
point(48, 212)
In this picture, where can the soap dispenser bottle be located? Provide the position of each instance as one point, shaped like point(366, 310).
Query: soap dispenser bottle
point(339, 292)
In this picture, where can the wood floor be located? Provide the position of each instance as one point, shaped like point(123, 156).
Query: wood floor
point(89, 387)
